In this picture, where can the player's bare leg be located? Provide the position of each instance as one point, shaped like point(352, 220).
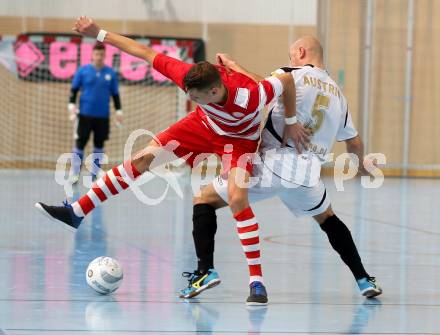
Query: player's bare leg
point(208, 195)
point(248, 233)
point(116, 180)
point(341, 240)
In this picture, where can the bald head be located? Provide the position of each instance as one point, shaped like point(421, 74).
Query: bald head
point(306, 50)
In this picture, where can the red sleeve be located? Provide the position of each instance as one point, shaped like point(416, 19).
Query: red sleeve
point(171, 68)
point(268, 90)
point(260, 95)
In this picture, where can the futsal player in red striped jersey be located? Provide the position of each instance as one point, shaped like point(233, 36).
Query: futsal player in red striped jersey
point(226, 120)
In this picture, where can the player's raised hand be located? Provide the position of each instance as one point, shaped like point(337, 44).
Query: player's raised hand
point(85, 26)
point(299, 135)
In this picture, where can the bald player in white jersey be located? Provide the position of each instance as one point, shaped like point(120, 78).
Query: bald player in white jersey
point(290, 170)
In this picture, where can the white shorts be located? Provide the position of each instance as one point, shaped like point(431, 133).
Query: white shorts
point(300, 200)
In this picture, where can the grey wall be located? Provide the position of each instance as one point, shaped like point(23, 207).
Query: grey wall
point(290, 12)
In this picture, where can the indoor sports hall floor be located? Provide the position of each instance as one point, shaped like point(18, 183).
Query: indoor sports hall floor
point(43, 288)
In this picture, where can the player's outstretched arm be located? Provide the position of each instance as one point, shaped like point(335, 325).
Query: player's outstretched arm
point(85, 26)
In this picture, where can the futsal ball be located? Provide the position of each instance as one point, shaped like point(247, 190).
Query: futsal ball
point(104, 275)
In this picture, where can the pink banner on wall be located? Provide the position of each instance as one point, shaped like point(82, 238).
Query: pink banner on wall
point(28, 57)
point(62, 59)
point(133, 68)
point(56, 57)
point(86, 53)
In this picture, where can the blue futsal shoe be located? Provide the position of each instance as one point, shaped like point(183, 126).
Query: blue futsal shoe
point(61, 214)
point(198, 282)
point(258, 294)
point(369, 287)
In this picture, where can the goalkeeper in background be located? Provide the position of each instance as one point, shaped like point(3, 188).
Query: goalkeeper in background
point(97, 82)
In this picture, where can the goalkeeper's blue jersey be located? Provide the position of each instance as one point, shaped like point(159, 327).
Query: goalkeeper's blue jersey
point(96, 86)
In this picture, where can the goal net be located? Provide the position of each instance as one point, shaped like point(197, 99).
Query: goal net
point(35, 74)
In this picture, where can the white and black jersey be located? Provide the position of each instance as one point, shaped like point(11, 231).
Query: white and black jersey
point(321, 107)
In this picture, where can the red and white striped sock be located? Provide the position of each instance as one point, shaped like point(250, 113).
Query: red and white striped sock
point(247, 228)
point(112, 183)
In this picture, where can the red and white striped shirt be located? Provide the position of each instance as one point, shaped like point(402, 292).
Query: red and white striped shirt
point(241, 115)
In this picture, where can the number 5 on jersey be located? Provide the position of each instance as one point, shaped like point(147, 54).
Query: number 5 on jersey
point(321, 103)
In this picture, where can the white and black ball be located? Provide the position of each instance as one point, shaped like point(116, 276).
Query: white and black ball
point(104, 275)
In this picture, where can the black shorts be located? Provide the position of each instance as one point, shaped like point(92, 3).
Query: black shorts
point(87, 124)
